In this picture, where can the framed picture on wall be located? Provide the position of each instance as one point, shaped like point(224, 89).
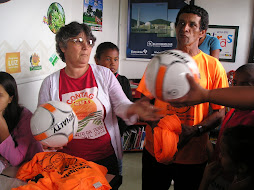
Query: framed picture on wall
point(251, 55)
point(227, 36)
point(92, 14)
point(151, 26)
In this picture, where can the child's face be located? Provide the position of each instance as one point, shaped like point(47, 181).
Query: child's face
point(243, 79)
point(5, 99)
point(109, 59)
point(226, 161)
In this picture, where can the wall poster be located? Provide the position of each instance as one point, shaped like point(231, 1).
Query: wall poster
point(227, 36)
point(92, 14)
point(27, 40)
point(151, 26)
point(251, 54)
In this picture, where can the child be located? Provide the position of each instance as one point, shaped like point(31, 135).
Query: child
point(16, 140)
point(210, 45)
point(244, 76)
point(236, 157)
point(107, 55)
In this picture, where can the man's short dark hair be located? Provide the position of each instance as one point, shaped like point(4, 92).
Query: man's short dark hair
point(104, 47)
point(197, 11)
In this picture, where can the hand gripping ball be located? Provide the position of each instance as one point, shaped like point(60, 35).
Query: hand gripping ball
point(165, 75)
point(54, 124)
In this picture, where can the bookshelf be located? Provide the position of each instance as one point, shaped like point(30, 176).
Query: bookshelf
point(134, 136)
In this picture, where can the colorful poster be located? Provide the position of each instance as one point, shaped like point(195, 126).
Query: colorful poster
point(151, 27)
point(12, 62)
point(25, 48)
point(227, 36)
point(35, 62)
point(56, 17)
point(251, 54)
point(92, 14)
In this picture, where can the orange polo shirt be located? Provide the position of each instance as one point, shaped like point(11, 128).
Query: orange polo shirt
point(212, 76)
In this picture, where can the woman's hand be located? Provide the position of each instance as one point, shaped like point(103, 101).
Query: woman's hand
point(196, 95)
point(212, 170)
point(144, 110)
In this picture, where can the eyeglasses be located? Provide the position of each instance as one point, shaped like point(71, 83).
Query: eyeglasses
point(79, 41)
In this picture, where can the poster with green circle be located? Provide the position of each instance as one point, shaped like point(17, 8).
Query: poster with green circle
point(56, 17)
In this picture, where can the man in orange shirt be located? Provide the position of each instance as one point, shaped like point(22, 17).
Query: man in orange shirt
point(188, 166)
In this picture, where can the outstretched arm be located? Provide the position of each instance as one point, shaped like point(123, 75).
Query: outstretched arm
point(239, 96)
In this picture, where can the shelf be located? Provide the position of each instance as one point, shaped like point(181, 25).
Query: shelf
point(133, 138)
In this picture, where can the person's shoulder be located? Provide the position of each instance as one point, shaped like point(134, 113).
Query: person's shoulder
point(25, 118)
point(123, 77)
point(208, 59)
point(26, 113)
point(52, 75)
point(101, 72)
point(99, 68)
point(212, 39)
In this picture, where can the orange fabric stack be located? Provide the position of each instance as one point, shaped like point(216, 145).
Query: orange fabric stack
point(56, 170)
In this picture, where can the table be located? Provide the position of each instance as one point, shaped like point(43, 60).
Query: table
point(8, 180)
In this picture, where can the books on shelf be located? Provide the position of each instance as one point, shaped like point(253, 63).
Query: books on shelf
point(133, 138)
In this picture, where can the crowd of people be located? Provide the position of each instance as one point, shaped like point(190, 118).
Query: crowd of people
point(112, 107)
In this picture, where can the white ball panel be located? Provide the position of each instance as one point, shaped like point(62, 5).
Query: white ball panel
point(58, 124)
point(175, 84)
point(151, 74)
point(40, 120)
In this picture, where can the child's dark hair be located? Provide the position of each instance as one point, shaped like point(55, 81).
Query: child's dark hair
point(197, 11)
point(249, 67)
point(248, 71)
point(13, 110)
point(103, 47)
point(240, 143)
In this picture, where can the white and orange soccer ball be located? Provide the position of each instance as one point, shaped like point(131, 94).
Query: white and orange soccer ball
point(165, 75)
point(54, 124)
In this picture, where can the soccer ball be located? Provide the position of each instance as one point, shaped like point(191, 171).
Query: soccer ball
point(54, 124)
point(165, 74)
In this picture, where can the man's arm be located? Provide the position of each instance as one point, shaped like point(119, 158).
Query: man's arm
point(209, 123)
point(215, 53)
point(241, 97)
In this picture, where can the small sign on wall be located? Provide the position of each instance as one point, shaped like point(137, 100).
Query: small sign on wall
point(12, 62)
point(92, 14)
point(227, 36)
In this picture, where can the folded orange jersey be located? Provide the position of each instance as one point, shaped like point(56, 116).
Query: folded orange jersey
point(56, 170)
point(166, 137)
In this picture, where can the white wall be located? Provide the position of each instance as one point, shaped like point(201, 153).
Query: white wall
point(221, 12)
point(235, 13)
point(226, 12)
point(23, 13)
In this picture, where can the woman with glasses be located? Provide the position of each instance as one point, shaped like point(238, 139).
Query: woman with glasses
point(96, 97)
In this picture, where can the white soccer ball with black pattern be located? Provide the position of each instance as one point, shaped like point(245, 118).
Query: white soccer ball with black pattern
point(165, 75)
point(54, 124)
